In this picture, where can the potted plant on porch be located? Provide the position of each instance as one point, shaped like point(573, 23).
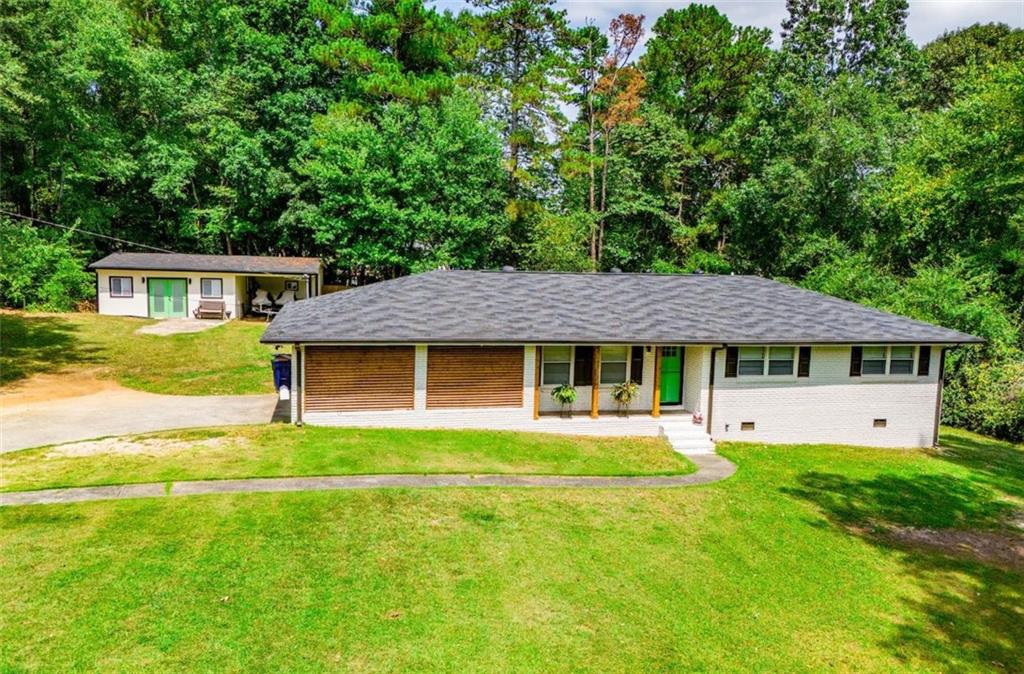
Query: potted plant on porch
point(624, 394)
point(564, 395)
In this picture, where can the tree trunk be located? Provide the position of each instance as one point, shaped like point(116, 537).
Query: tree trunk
point(590, 159)
point(604, 194)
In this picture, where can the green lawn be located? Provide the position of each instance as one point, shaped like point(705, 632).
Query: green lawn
point(284, 450)
point(785, 567)
point(224, 360)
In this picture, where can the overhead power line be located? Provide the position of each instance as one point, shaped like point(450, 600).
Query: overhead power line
point(83, 231)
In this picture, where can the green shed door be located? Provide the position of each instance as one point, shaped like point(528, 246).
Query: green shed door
point(167, 297)
point(671, 375)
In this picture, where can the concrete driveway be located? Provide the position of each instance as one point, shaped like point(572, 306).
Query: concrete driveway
point(120, 411)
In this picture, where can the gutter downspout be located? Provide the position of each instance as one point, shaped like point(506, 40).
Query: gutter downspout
point(711, 384)
point(938, 395)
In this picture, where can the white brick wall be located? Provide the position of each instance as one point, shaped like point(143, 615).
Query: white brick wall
point(830, 406)
point(827, 407)
point(138, 303)
point(696, 374)
point(419, 400)
point(298, 363)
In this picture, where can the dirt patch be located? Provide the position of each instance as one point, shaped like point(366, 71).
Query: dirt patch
point(988, 547)
point(45, 387)
point(132, 447)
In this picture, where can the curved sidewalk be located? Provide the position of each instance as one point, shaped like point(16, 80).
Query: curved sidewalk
point(710, 468)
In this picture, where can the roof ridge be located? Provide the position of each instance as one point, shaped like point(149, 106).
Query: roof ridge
point(541, 272)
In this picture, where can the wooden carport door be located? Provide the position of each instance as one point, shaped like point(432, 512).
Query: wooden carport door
point(359, 378)
point(474, 376)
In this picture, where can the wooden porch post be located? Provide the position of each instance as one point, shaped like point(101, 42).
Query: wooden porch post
point(595, 389)
point(537, 354)
point(656, 399)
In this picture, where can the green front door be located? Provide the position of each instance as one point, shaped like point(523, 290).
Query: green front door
point(671, 375)
point(167, 297)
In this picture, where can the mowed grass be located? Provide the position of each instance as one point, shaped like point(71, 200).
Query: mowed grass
point(284, 450)
point(777, 569)
point(224, 360)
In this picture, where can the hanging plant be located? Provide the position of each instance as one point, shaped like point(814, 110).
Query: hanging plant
point(564, 395)
point(625, 393)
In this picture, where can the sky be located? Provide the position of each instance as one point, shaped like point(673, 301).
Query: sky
point(928, 18)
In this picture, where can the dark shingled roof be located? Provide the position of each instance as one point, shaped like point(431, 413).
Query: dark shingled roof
point(484, 307)
point(240, 264)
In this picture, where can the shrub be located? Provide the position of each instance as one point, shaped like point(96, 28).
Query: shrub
point(987, 397)
point(42, 274)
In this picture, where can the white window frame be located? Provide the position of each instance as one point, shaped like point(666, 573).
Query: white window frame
point(626, 361)
point(740, 359)
point(203, 295)
point(914, 358)
point(572, 363)
point(766, 356)
point(121, 294)
point(794, 353)
point(544, 363)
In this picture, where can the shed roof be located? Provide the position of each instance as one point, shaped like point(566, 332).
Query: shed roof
point(595, 308)
point(240, 264)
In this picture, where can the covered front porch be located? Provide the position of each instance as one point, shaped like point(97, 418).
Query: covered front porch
point(668, 378)
point(504, 387)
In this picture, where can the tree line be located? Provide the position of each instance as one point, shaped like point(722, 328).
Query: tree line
point(388, 138)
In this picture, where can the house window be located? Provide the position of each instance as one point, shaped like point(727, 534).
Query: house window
point(583, 366)
point(211, 288)
point(121, 286)
point(751, 360)
point(557, 365)
point(636, 364)
point(901, 360)
point(898, 359)
point(873, 360)
point(780, 360)
point(613, 364)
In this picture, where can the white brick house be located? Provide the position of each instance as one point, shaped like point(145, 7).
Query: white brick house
point(738, 357)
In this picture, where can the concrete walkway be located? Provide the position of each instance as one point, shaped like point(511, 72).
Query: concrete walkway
point(122, 411)
point(710, 468)
point(179, 326)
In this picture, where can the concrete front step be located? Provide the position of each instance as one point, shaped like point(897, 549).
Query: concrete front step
point(687, 437)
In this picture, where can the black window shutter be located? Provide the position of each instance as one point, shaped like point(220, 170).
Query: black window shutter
point(856, 356)
point(803, 368)
point(924, 360)
point(584, 366)
point(636, 366)
point(732, 357)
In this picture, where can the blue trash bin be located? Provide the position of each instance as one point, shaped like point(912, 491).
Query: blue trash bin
point(282, 370)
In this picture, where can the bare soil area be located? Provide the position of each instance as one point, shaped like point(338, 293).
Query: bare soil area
point(988, 547)
point(130, 446)
point(50, 386)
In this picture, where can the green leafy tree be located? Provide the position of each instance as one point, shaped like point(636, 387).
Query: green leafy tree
point(824, 39)
point(957, 59)
point(40, 270)
point(388, 49)
point(699, 69)
point(520, 63)
point(409, 189)
point(958, 186)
